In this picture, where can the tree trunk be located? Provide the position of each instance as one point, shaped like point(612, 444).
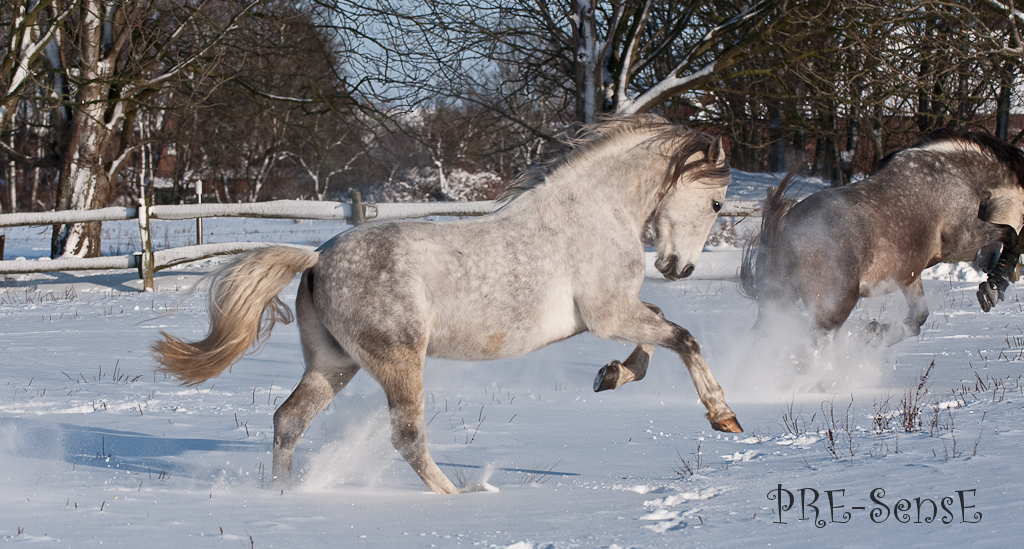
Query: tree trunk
point(1003, 105)
point(777, 142)
point(850, 152)
point(588, 68)
point(83, 184)
point(12, 179)
point(84, 181)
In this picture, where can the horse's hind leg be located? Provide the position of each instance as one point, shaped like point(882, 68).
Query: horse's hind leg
point(396, 362)
point(616, 374)
point(314, 392)
point(328, 370)
point(403, 385)
point(916, 316)
point(829, 312)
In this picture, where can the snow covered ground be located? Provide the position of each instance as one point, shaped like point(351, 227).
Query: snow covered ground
point(97, 450)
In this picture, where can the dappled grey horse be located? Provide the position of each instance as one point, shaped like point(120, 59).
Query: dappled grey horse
point(952, 192)
point(561, 256)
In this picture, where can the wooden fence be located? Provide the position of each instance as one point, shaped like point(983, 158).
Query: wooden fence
point(148, 261)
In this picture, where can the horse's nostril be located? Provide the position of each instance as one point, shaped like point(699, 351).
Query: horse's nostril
point(687, 270)
point(667, 265)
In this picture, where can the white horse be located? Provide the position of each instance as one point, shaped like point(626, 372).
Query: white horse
point(562, 256)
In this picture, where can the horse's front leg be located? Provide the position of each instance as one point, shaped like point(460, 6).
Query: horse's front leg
point(616, 374)
point(991, 291)
point(981, 233)
point(646, 327)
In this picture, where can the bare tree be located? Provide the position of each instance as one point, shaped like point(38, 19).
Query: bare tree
point(581, 57)
point(116, 57)
point(847, 82)
point(31, 26)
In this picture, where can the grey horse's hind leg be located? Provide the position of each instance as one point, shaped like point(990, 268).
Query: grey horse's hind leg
point(402, 381)
point(328, 370)
point(911, 326)
point(291, 420)
point(616, 374)
point(829, 312)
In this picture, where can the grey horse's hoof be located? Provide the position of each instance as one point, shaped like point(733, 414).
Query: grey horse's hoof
point(988, 295)
point(608, 376)
point(876, 332)
point(727, 425)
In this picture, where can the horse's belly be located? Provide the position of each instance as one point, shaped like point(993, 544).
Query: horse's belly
point(878, 288)
point(896, 265)
point(475, 335)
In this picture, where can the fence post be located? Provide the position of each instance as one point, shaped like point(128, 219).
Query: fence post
point(358, 213)
point(146, 261)
point(199, 220)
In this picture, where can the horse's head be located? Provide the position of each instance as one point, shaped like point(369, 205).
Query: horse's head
point(689, 208)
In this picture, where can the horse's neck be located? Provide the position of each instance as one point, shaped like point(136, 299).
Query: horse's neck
point(607, 187)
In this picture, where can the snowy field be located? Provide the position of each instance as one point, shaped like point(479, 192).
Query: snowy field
point(97, 450)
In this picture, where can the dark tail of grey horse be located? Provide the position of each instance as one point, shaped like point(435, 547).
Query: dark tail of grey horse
point(759, 246)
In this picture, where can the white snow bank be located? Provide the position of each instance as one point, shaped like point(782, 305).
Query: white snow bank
point(962, 271)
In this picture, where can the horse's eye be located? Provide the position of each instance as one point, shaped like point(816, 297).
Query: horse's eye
point(716, 205)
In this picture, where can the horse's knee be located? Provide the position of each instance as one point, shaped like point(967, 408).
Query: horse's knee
point(829, 317)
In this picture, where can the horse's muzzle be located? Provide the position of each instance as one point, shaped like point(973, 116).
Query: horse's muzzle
point(669, 268)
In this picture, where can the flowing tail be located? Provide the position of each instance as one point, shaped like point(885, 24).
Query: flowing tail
point(243, 306)
point(758, 247)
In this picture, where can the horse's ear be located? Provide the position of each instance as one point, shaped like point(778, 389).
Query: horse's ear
point(716, 152)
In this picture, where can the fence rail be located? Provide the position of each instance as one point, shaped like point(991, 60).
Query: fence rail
point(148, 261)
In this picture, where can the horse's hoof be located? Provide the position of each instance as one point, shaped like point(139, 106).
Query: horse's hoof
point(727, 425)
point(988, 296)
point(608, 376)
point(992, 291)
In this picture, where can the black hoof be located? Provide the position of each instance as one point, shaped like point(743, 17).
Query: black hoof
point(608, 376)
point(990, 292)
